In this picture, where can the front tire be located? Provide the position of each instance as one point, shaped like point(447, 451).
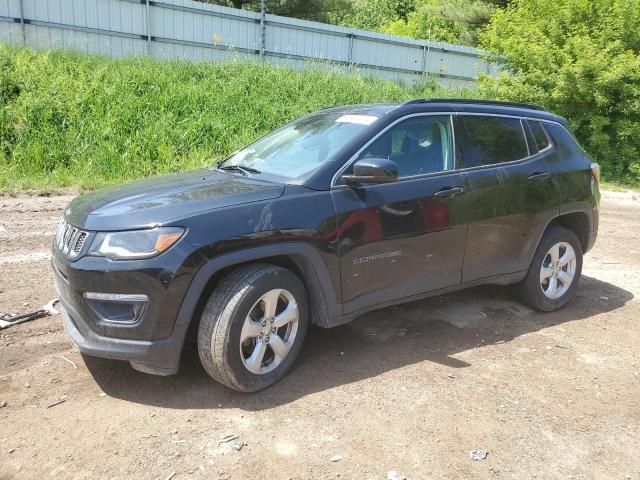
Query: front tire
point(554, 272)
point(253, 327)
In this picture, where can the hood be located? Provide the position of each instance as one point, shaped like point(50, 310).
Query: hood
point(157, 200)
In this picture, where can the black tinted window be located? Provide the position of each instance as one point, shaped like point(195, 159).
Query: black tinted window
point(488, 140)
point(418, 145)
point(539, 135)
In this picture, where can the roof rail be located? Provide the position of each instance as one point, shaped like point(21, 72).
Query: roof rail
point(471, 101)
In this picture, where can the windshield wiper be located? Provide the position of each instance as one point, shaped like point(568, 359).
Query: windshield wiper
point(239, 168)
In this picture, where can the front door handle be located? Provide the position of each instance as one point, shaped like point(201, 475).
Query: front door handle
point(449, 192)
point(539, 176)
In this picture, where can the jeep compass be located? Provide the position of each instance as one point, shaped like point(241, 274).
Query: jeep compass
point(335, 214)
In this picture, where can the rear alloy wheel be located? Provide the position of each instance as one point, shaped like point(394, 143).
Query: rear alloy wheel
point(554, 272)
point(253, 327)
point(558, 270)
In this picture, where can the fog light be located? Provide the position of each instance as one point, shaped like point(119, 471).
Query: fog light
point(117, 307)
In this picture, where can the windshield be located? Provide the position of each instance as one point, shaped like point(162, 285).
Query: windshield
point(301, 146)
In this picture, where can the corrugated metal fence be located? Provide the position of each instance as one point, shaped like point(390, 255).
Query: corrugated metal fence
point(194, 30)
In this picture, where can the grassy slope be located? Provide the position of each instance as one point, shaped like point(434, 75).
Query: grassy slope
point(71, 120)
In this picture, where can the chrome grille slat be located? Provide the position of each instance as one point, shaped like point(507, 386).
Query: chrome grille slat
point(67, 236)
point(79, 242)
point(63, 235)
point(72, 234)
point(70, 240)
point(59, 232)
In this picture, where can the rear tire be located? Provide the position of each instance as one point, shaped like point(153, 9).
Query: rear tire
point(554, 272)
point(253, 327)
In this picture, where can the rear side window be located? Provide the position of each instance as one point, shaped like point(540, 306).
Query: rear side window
point(488, 140)
point(537, 129)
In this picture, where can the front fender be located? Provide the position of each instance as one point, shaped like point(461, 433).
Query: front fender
point(323, 294)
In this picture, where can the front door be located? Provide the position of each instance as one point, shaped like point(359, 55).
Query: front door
point(407, 237)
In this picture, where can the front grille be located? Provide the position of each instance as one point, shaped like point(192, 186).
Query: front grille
point(80, 242)
point(70, 240)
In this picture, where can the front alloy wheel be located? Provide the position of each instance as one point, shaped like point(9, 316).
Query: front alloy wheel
point(269, 331)
point(253, 327)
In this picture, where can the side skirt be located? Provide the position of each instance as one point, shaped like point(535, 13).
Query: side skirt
point(505, 279)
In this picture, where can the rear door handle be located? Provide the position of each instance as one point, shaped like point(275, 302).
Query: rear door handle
point(449, 192)
point(539, 176)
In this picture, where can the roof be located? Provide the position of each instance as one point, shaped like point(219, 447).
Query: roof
point(453, 105)
point(479, 106)
point(468, 101)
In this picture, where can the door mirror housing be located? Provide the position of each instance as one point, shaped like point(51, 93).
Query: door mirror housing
point(372, 170)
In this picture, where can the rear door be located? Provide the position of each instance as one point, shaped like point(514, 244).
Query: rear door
point(403, 238)
point(511, 196)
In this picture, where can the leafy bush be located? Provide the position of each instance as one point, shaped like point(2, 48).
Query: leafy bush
point(375, 14)
point(581, 59)
point(68, 119)
point(453, 21)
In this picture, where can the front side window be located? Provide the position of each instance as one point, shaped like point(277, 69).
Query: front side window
point(301, 146)
point(488, 140)
point(418, 145)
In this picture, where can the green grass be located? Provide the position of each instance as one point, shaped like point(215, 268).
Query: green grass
point(69, 120)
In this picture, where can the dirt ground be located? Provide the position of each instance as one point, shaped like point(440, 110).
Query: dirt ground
point(411, 389)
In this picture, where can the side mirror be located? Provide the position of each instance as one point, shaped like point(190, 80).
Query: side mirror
point(372, 170)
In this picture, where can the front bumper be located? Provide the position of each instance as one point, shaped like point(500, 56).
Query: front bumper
point(152, 340)
point(158, 357)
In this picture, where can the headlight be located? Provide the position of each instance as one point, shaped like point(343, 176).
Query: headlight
point(134, 244)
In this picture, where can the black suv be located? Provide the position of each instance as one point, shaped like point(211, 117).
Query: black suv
point(338, 213)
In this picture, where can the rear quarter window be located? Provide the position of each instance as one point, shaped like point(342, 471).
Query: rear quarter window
point(539, 135)
point(488, 140)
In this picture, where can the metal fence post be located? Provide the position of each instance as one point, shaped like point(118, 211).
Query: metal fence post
point(263, 28)
point(148, 12)
point(425, 52)
point(22, 27)
point(351, 38)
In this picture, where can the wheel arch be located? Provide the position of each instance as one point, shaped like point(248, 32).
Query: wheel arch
point(577, 217)
point(303, 259)
point(578, 223)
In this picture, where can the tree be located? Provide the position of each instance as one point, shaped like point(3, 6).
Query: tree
point(373, 14)
point(581, 59)
point(455, 21)
point(318, 10)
